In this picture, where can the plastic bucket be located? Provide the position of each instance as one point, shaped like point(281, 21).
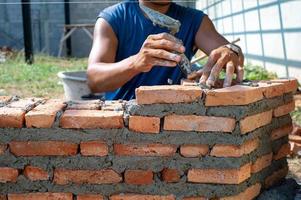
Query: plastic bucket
point(75, 85)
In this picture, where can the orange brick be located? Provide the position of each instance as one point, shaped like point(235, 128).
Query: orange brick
point(3, 148)
point(89, 197)
point(102, 176)
point(8, 174)
point(43, 148)
point(94, 148)
point(35, 173)
point(195, 198)
point(249, 194)
point(281, 132)
point(41, 196)
point(144, 124)
point(234, 95)
point(275, 177)
point(145, 149)
point(198, 123)
point(92, 119)
point(141, 197)
point(228, 150)
point(282, 152)
point(252, 122)
point(290, 85)
point(292, 138)
point(284, 109)
point(43, 116)
point(170, 175)
point(262, 162)
point(138, 177)
point(194, 150)
point(168, 94)
point(3, 197)
point(271, 90)
point(11, 117)
point(220, 176)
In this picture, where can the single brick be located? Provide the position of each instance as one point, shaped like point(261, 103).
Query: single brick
point(282, 152)
point(43, 116)
point(194, 150)
point(168, 94)
point(281, 132)
point(249, 194)
point(35, 173)
point(220, 176)
point(3, 148)
point(228, 150)
point(94, 148)
point(262, 162)
point(11, 117)
point(170, 175)
point(92, 119)
point(141, 197)
point(89, 197)
point(41, 196)
point(292, 138)
point(275, 177)
point(138, 177)
point(198, 123)
point(8, 174)
point(102, 176)
point(144, 124)
point(25, 104)
point(284, 109)
point(234, 95)
point(290, 85)
point(144, 149)
point(271, 90)
point(252, 122)
point(43, 148)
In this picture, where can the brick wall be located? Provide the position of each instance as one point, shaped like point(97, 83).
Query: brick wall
point(172, 142)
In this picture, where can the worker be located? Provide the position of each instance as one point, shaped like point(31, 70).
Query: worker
point(128, 51)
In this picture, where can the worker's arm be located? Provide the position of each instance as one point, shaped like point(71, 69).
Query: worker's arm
point(106, 75)
point(212, 43)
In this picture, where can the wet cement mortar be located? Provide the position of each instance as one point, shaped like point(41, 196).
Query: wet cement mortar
point(156, 164)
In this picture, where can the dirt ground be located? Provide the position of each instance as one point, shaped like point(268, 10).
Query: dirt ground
point(295, 169)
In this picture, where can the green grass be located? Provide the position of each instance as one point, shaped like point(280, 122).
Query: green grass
point(39, 79)
point(296, 116)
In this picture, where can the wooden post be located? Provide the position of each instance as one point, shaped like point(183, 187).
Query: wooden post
point(27, 33)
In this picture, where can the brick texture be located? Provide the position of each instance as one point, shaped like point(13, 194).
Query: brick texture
point(11, 117)
point(281, 132)
point(89, 197)
point(144, 149)
point(141, 197)
point(3, 148)
point(284, 109)
point(271, 90)
point(41, 196)
point(25, 104)
point(103, 176)
point(43, 148)
point(94, 148)
point(249, 194)
point(90, 119)
point(262, 162)
point(234, 95)
point(195, 198)
point(8, 174)
point(138, 177)
point(252, 122)
point(35, 173)
point(198, 123)
point(290, 85)
point(227, 150)
point(170, 175)
point(194, 150)
point(144, 124)
point(168, 94)
point(282, 152)
point(220, 176)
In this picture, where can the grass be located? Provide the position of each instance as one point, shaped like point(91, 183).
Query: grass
point(39, 79)
point(296, 116)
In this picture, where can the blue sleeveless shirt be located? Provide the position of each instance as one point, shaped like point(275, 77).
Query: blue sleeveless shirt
point(132, 28)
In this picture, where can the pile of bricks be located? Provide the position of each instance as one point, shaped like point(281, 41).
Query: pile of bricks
point(172, 142)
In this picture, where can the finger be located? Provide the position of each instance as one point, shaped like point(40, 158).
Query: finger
point(195, 75)
point(162, 62)
point(229, 74)
point(166, 36)
point(163, 54)
point(216, 70)
point(207, 68)
point(166, 44)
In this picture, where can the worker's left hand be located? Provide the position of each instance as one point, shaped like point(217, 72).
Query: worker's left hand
point(219, 59)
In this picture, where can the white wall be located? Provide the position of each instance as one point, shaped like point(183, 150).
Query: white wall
point(270, 30)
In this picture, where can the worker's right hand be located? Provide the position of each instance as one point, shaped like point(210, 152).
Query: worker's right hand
point(158, 50)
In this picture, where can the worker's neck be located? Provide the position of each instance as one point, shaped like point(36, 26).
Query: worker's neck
point(160, 6)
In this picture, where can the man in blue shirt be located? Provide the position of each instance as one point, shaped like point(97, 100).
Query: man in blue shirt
point(128, 51)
